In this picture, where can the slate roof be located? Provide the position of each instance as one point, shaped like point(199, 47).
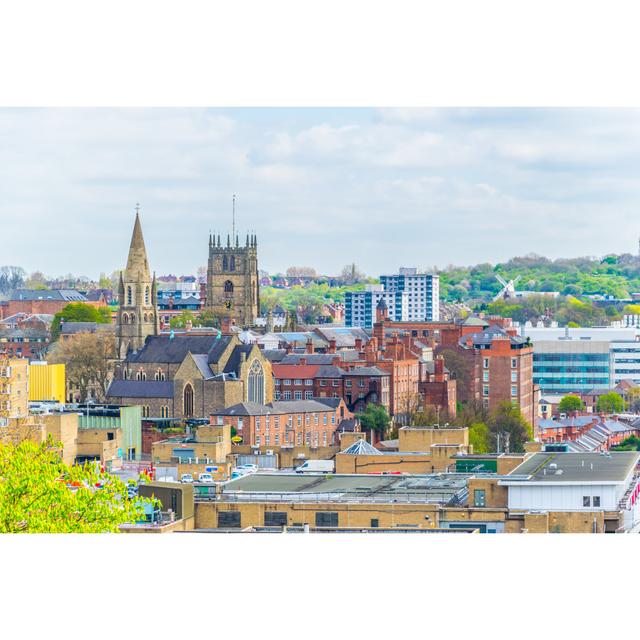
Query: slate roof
point(70, 328)
point(279, 407)
point(141, 389)
point(367, 371)
point(233, 364)
point(274, 355)
point(203, 366)
point(64, 295)
point(489, 335)
point(174, 350)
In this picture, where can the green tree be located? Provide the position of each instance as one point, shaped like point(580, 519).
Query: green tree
point(480, 437)
point(570, 403)
point(180, 322)
point(79, 312)
point(509, 430)
point(610, 403)
point(374, 418)
point(40, 494)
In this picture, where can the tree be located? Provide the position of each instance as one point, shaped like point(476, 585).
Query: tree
point(610, 403)
point(480, 437)
point(374, 418)
point(301, 272)
point(11, 278)
point(79, 312)
point(570, 403)
point(509, 430)
point(88, 360)
point(633, 399)
point(40, 494)
point(350, 274)
point(37, 280)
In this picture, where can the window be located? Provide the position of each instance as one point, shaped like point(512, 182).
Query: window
point(297, 395)
point(277, 439)
point(485, 390)
point(129, 296)
point(375, 523)
point(258, 421)
point(228, 286)
point(275, 519)
point(347, 383)
point(326, 519)
point(287, 382)
point(308, 395)
point(232, 263)
point(239, 422)
point(514, 376)
point(309, 382)
point(187, 401)
point(324, 438)
point(256, 383)
point(485, 403)
point(479, 498)
point(586, 501)
point(297, 381)
point(229, 519)
point(147, 296)
point(315, 419)
point(514, 363)
point(287, 395)
point(323, 383)
point(335, 383)
point(596, 501)
point(258, 440)
point(485, 376)
point(485, 363)
point(300, 420)
point(267, 440)
point(361, 383)
point(514, 390)
point(277, 395)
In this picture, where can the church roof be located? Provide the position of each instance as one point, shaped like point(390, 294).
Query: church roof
point(140, 389)
point(233, 364)
point(174, 350)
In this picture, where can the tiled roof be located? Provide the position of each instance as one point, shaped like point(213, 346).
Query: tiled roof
point(294, 370)
point(141, 389)
point(174, 350)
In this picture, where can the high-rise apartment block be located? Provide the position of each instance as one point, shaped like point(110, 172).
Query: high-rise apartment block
point(409, 295)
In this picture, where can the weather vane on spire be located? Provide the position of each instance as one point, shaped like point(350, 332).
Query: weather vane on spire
point(137, 208)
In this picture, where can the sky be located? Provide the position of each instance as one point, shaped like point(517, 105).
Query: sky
point(383, 188)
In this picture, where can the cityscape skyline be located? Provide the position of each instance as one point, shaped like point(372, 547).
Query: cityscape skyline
point(378, 175)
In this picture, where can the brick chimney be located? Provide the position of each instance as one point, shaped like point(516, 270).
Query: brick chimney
point(188, 325)
point(332, 346)
point(303, 361)
point(226, 326)
point(309, 345)
point(358, 344)
point(439, 369)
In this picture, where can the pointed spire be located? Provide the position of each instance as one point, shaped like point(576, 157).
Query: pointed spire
point(237, 241)
point(247, 242)
point(228, 240)
point(137, 260)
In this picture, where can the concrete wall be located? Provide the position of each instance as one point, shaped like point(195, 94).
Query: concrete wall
point(420, 439)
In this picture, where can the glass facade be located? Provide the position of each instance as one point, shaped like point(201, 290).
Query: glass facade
point(566, 372)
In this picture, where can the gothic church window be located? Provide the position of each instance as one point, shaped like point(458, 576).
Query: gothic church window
point(232, 264)
point(228, 286)
point(225, 264)
point(129, 296)
point(147, 297)
point(187, 401)
point(255, 391)
point(125, 318)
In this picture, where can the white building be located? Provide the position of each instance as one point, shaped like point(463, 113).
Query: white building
point(423, 290)
point(577, 482)
point(360, 306)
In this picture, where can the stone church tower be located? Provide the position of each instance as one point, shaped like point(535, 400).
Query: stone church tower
point(232, 279)
point(137, 297)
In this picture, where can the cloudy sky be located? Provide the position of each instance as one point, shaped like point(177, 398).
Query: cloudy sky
point(320, 187)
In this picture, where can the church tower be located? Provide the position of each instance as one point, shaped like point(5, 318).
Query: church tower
point(232, 279)
point(137, 298)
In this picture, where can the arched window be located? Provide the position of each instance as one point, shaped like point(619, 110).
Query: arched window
point(164, 411)
point(151, 317)
point(255, 389)
point(125, 318)
point(145, 317)
point(147, 296)
point(129, 296)
point(228, 286)
point(225, 264)
point(232, 263)
point(133, 318)
point(187, 401)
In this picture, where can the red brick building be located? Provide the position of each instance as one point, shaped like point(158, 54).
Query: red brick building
point(286, 423)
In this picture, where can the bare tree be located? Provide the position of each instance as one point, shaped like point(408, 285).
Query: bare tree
point(88, 358)
point(350, 274)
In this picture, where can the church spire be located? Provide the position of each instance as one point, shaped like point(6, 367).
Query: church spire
point(137, 260)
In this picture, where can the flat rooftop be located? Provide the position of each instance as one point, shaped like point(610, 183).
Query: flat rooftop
point(575, 467)
point(266, 487)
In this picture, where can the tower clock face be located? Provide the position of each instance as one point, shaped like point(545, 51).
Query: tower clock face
point(228, 304)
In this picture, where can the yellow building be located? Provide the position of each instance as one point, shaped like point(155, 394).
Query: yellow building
point(14, 388)
point(47, 382)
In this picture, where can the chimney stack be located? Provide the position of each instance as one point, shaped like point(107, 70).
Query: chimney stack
point(309, 346)
point(439, 369)
point(332, 345)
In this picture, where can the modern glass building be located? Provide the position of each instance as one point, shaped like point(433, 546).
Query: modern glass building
point(563, 366)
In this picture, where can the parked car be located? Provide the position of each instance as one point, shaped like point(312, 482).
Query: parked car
point(186, 477)
point(205, 477)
